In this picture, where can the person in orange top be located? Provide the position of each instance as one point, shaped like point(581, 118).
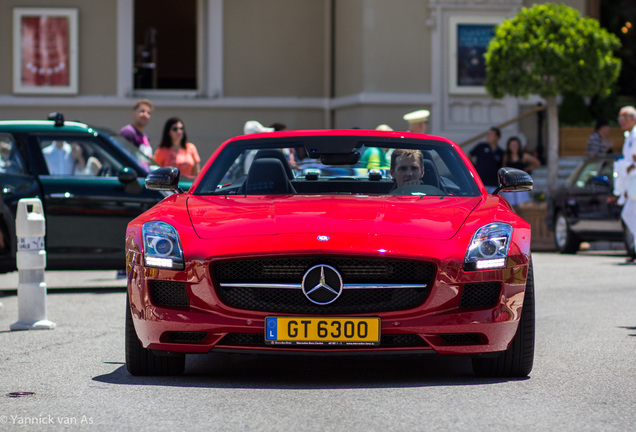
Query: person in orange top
point(175, 150)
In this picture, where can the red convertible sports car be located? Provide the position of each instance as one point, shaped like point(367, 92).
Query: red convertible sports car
point(332, 242)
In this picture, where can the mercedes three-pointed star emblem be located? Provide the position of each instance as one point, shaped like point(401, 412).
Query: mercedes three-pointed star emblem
point(322, 284)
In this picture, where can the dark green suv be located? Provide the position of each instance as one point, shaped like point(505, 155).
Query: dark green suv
point(90, 181)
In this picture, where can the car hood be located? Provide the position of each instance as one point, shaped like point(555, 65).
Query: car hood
point(435, 218)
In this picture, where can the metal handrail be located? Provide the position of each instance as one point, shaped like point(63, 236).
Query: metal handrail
point(504, 124)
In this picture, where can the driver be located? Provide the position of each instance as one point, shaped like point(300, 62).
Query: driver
point(407, 167)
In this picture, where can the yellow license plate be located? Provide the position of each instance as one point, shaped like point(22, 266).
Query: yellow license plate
point(322, 331)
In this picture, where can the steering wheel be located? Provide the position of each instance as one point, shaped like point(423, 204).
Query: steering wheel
point(418, 190)
point(104, 171)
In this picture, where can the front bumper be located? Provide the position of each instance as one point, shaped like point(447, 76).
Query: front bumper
point(442, 324)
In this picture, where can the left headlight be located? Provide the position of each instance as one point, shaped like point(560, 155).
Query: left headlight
point(489, 247)
point(162, 247)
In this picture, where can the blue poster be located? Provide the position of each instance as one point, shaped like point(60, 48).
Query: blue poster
point(472, 43)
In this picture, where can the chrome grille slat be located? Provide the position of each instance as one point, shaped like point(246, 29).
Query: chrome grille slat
point(345, 286)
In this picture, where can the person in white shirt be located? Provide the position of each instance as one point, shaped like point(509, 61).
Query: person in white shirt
point(58, 158)
point(626, 168)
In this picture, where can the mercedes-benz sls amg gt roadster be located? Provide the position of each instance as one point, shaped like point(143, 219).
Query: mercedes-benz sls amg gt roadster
point(332, 242)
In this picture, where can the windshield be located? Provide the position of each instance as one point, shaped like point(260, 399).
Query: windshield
point(144, 161)
point(267, 167)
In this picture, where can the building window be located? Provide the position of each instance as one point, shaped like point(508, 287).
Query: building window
point(165, 45)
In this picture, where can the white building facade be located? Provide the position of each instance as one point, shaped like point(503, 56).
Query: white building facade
point(310, 64)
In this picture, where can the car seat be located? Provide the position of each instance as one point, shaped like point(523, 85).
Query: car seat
point(431, 176)
point(276, 154)
point(267, 177)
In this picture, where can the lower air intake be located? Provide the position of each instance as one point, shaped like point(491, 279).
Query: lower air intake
point(256, 340)
point(480, 294)
point(168, 293)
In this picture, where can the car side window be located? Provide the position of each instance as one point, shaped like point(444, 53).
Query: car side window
point(10, 159)
point(607, 170)
point(78, 156)
point(588, 172)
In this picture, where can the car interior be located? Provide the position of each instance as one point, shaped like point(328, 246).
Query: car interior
point(332, 165)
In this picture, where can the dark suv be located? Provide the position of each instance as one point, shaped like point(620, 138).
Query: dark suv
point(585, 209)
point(86, 208)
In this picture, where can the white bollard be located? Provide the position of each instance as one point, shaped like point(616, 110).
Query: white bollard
point(31, 261)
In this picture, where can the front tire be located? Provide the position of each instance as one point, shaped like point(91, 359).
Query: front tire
point(565, 240)
point(518, 359)
point(143, 362)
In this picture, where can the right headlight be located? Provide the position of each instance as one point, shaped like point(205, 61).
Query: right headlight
point(489, 247)
point(162, 247)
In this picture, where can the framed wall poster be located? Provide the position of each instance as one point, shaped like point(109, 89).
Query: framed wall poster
point(468, 41)
point(44, 51)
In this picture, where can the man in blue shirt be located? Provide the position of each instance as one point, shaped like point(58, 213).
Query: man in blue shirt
point(487, 158)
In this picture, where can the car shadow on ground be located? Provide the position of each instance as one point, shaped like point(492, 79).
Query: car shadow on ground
point(220, 370)
point(622, 258)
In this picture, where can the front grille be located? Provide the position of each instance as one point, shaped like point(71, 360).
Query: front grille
point(359, 270)
point(257, 340)
point(168, 293)
point(461, 338)
point(480, 294)
point(353, 271)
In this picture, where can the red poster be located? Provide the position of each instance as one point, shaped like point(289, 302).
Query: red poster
point(45, 51)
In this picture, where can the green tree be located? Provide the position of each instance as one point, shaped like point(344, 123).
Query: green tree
point(549, 50)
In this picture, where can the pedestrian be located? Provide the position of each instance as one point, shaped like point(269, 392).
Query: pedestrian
point(625, 183)
point(278, 126)
point(515, 157)
point(59, 158)
point(8, 159)
point(599, 144)
point(417, 120)
point(84, 163)
point(175, 150)
point(253, 127)
point(376, 157)
point(134, 132)
point(487, 158)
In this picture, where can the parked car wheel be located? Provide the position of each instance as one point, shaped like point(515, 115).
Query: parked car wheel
point(518, 359)
point(565, 240)
point(143, 362)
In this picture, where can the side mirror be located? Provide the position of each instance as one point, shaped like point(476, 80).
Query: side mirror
point(127, 175)
point(513, 180)
point(164, 179)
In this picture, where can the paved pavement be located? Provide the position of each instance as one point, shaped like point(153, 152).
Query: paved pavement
point(73, 377)
point(68, 280)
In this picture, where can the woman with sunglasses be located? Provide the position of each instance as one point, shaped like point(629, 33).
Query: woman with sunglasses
point(175, 150)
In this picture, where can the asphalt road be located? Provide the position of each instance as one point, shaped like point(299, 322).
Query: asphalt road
point(583, 378)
